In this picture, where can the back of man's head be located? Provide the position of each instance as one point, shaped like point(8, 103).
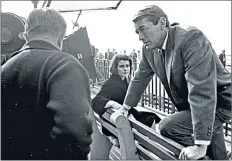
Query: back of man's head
point(47, 22)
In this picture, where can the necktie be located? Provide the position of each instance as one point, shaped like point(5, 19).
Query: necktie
point(159, 60)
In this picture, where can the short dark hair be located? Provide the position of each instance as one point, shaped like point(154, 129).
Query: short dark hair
point(153, 13)
point(115, 60)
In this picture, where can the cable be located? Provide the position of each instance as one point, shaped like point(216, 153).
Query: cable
point(44, 3)
point(93, 9)
point(75, 23)
point(48, 3)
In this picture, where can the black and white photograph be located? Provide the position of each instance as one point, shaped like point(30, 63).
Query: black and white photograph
point(115, 80)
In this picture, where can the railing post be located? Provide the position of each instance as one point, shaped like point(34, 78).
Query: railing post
point(142, 100)
point(226, 132)
point(149, 94)
point(156, 92)
point(168, 105)
point(163, 99)
point(152, 93)
point(160, 101)
point(173, 108)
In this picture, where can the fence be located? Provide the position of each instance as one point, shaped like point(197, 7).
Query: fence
point(228, 63)
point(154, 97)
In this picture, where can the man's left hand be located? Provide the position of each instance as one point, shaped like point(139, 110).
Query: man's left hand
point(124, 111)
point(193, 152)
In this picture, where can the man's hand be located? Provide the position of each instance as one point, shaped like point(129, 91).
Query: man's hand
point(193, 152)
point(124, 111)
point(114, 105)
point(113, 140)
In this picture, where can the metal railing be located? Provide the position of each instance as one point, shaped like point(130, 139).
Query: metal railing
point(154, 97)
point(228, 63)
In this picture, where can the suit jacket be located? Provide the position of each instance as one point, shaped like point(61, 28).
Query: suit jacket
point(222, 57)
point(195, 79)
point(45, 102)
point(109, 55)
point(115, 89)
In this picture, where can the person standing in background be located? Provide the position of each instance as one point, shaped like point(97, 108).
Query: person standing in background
point(93, 51)
point(139, 55)
point(109, 55)
point(134, 59)
point(222, 58)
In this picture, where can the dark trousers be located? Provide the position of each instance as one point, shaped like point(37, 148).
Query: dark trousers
point(224, 63)
point(178, 127)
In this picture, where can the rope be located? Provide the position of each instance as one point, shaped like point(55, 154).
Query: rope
point(75, 24)
point(94, 9)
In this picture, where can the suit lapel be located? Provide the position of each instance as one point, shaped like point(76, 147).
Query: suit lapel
point(169, 53)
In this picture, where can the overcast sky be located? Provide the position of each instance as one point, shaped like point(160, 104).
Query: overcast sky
point(114, 29)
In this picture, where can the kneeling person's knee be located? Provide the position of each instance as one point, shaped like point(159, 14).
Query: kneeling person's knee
point(165, 126)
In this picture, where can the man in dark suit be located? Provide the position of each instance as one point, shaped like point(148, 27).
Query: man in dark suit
point(134, 59)
point(109, 55)
point(45, 96)
point(222, 58)
point(194, 79)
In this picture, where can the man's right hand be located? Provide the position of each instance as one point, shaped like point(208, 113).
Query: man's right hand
point(113, 140)
point(193, 152)
point(124, 111)
point(114, 105)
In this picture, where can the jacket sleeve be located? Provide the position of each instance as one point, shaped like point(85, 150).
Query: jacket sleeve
point(138, 84)
point(69, 90)
point(105, 94)
point(200, 74)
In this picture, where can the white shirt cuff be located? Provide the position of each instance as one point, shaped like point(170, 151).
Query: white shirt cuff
point(126, 106)
point(108, 104)
point(202, 142)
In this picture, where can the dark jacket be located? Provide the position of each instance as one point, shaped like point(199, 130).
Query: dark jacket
point(115, 89)
point(222, 58)
point(195, 79)
point(45, 103)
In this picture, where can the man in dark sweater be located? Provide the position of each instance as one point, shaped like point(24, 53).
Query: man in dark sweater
point(45, 96)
